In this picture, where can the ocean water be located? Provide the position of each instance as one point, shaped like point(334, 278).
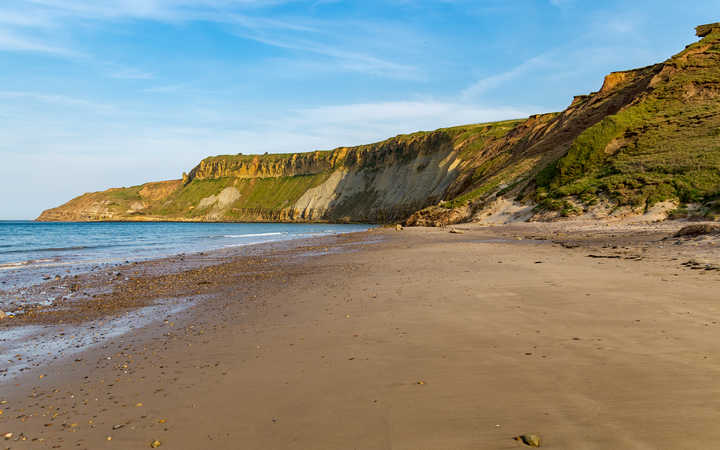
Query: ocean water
point(31, 250)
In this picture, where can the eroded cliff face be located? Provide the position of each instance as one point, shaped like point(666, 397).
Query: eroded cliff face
point(377, 182)
point(265, 166)
point(648, 143)
point(648, 137)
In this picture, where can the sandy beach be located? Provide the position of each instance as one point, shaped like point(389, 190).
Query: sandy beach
point(591, 337)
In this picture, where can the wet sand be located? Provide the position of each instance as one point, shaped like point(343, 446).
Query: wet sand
point(419, 339)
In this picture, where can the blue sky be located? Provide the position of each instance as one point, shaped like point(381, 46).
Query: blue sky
point(95, 94)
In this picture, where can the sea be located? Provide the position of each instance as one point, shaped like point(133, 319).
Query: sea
point(32, 251)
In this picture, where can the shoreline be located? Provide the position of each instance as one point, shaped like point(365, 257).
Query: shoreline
point(413, 339)
point(24, 276)
point(202, 220)
point(100, 296)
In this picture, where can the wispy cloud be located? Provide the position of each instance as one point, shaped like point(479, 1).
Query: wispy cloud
point(242, 18)
point(494, 81)
point(413, 113)
point(132, 74)
point(21, 18)
point(163, 10)
point(13, 42)
point(55, 99)
point(332, 126)
point(165, 88)
point(344, 59)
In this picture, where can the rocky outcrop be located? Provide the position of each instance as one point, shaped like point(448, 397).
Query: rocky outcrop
point(704, 30)
point(648, 137)
point(265, 166)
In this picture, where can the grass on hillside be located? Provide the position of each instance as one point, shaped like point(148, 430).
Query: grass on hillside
point(671, 144)
point(255, 193)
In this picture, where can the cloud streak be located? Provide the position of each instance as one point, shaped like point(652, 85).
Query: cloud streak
point(315, 37)
point(12, 42)
point(56, 99)
point(346, 59)
point(495, 81)
point(132, 74)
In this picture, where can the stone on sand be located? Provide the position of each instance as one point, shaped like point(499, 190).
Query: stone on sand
point(531, 440)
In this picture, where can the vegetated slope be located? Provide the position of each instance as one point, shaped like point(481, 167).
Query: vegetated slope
point(650, 135)
point(664, 145)
point(380, 182)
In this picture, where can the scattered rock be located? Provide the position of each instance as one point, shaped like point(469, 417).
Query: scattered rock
point(697, 230)
point(567, 244)
point(155, 444)
point(700, 265)
point(398, 227)
point(531, 440)
point(455, 231)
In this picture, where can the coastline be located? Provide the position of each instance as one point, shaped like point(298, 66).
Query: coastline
point(114, 293)
point(36, 252)
point(384, 339)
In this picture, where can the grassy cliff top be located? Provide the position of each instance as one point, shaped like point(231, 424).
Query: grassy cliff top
point(457, 133)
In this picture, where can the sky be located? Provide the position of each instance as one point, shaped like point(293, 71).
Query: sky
point(98, 94)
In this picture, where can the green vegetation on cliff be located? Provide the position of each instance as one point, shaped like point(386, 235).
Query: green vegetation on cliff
point(664, 146)
point(649, 135)
point(266, 194)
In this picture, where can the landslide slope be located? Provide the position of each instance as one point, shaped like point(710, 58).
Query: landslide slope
point(649, 136)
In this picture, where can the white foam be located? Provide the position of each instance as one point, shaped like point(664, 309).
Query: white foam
point(252, 235)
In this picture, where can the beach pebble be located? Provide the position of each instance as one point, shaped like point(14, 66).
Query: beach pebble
point(531, 440)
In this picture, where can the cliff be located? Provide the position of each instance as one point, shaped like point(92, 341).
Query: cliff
point(649, 136)
point(379, 182)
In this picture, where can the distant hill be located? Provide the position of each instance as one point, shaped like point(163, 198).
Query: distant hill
point(648, 141)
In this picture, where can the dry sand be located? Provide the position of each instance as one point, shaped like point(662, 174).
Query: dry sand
point(419, 339)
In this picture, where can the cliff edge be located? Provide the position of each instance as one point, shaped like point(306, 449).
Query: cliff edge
point(649, 139)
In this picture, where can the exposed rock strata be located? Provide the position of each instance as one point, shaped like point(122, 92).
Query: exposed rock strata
point(650, 137)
